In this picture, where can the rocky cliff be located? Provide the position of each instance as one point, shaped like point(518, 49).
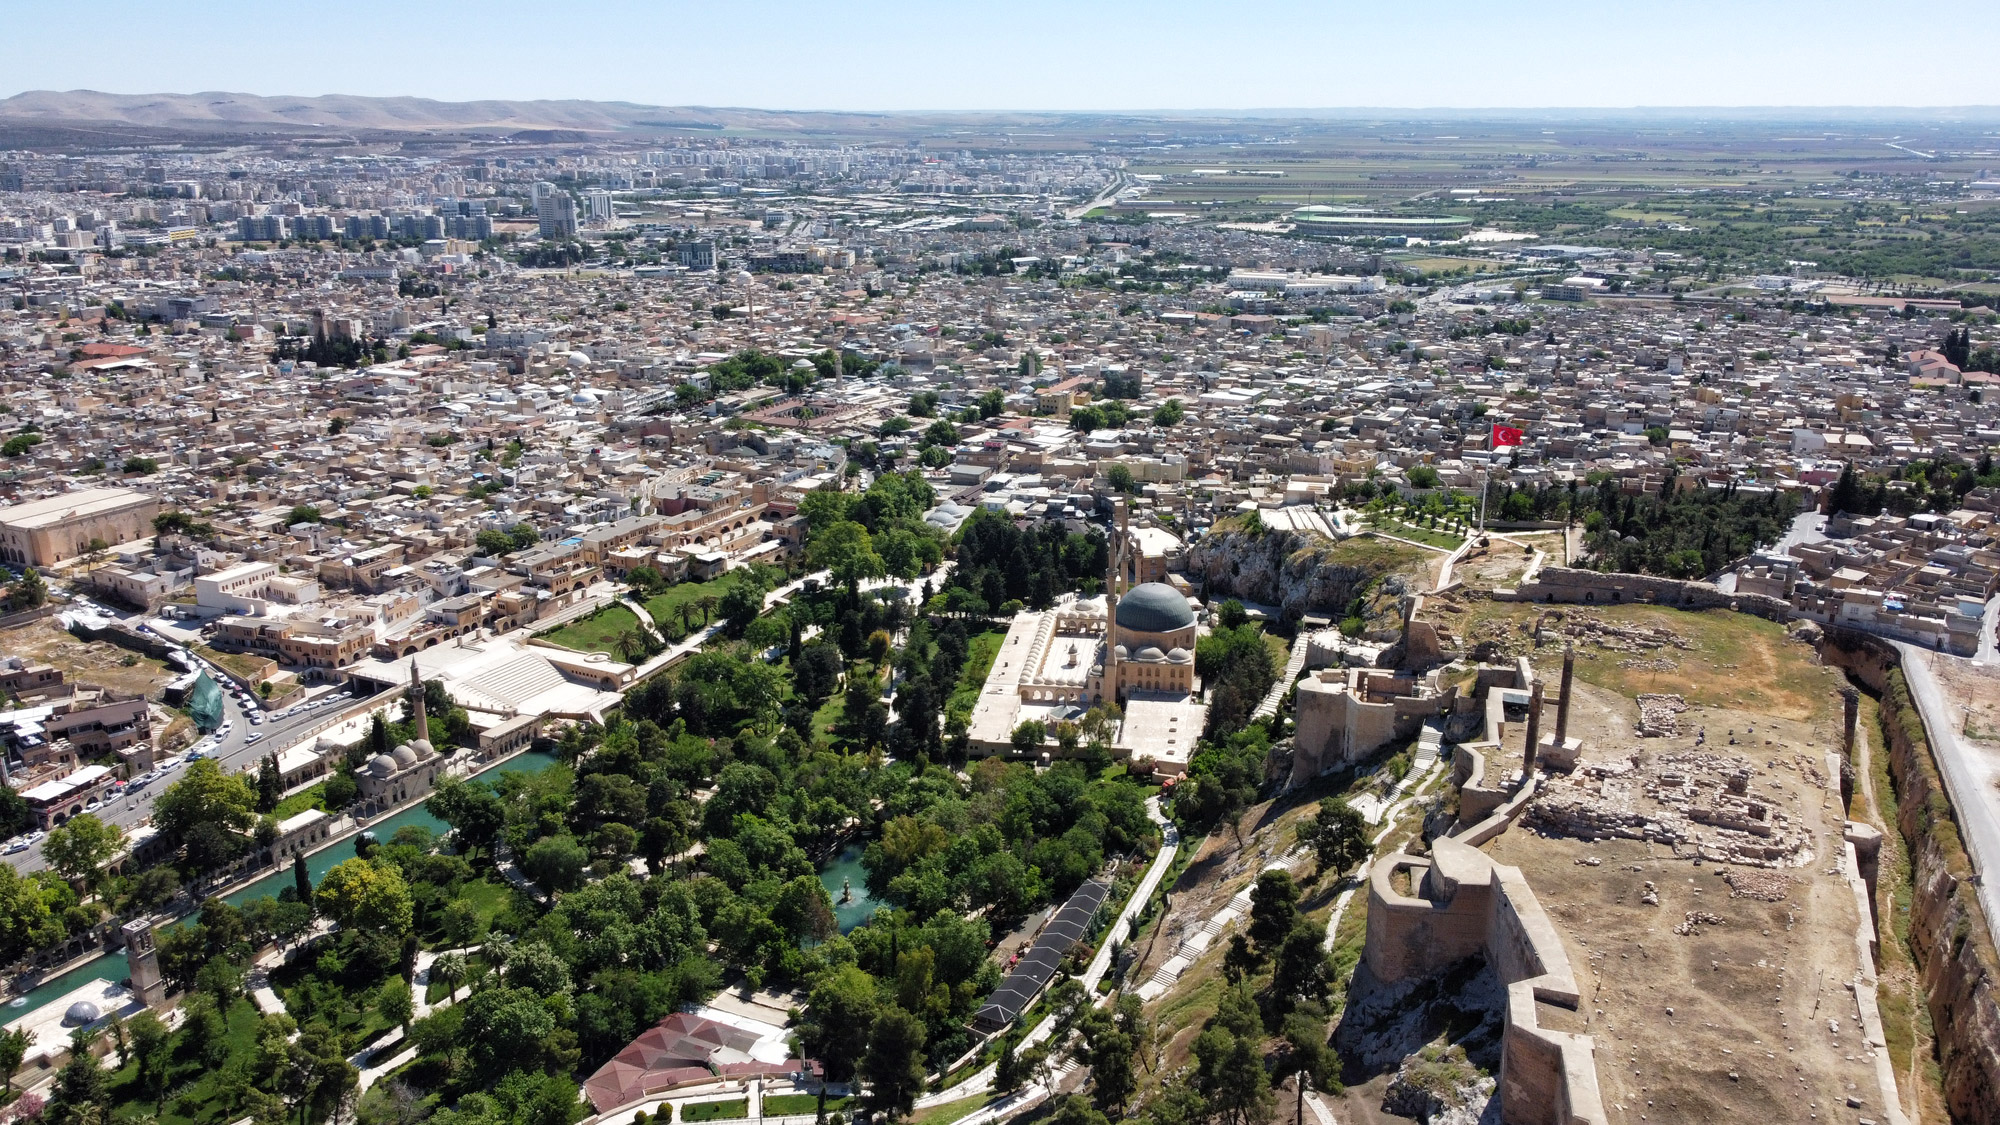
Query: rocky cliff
point(1298, 573)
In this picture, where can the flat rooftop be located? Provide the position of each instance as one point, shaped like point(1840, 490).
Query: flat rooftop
point(72, 505)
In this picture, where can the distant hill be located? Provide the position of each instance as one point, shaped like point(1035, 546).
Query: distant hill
point(226, 112)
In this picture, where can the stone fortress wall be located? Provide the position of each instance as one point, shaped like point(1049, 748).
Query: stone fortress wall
point(1463, 904)
point(1590, 587)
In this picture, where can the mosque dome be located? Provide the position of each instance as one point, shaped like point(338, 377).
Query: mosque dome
point(405, 757)
point(1179, 656)
point(1154, 607)
point(423, 748)
point(1151, 654)
point(1121, 652)
point(381, 765)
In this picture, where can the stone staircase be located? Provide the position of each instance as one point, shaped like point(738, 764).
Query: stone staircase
point(1204, 937)
point(1301, 647)
point(1430, 744)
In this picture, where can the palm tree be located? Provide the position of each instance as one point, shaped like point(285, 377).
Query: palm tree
point(452, 970)
point(629, 641)
point(708, 604)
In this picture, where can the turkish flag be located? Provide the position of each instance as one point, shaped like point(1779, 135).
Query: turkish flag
point(1505, 435)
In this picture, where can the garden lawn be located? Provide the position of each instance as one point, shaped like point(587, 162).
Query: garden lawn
point(785, 1105)
point(716, 1111)
point(194, 1090)
point(666, 607)
point(300, 801)
point(598, 632)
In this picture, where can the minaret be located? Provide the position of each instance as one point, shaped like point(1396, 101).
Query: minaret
point(1114, 572)
point(417, 703)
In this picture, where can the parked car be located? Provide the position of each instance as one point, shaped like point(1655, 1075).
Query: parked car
point(17, 844)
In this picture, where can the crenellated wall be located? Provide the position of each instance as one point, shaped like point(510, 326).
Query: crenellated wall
point(1466, 904)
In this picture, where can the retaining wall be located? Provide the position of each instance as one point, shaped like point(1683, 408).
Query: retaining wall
point(1949, 939)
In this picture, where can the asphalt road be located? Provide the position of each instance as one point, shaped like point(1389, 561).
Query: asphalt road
point(235, 752)
point(1969, 776)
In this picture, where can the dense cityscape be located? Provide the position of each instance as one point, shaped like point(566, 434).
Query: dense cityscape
point(565, 626)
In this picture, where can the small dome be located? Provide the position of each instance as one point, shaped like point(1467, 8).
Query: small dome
point(1179, 656)
point(1154, 607)
point(1151, 654)
point(80, 1013)
point(381, 765)
point(405, 757)
point(1121, 652)
point(423, 749)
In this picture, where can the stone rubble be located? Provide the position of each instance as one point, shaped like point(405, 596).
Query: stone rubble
point(1697, 803)
point(1659, 715)
point(1696, 919)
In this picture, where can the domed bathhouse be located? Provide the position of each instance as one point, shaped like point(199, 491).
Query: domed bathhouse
point(1133, 646)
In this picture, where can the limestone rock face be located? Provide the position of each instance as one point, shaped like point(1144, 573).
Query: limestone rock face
point(1281, 568)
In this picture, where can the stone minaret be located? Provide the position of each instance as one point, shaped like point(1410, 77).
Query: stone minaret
point(1114, 574)
point(1562, 705)
point(1534, 731)
point(143, 959)
point(417, 702)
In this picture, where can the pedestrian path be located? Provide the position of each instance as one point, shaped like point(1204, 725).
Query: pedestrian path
point(1301, 648)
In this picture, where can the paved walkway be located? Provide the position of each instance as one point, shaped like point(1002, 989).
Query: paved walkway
point(1301, 648)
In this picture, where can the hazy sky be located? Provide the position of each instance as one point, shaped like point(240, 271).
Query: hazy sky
point(1026, 54)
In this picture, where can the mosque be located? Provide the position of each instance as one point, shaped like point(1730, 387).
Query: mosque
point(409, 770)
point(1133, 646)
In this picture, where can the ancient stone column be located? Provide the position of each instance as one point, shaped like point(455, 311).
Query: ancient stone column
point(1534, 731)
point(1562, 705)
point(1851, 704)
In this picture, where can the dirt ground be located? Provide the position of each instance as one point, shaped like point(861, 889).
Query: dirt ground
point(92, 662)
point(1761, 995)
point(1977, 687)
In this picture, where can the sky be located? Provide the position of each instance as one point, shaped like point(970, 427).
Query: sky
point(1079, 55)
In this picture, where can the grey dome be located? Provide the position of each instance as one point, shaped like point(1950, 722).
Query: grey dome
point(381, 765)
point(80, 1013)
point(405, 757)
point(1154, 607)
point(1151, 654)
point(1178, 656)
point(423, 748)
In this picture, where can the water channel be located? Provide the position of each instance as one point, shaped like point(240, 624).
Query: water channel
point(113, 966)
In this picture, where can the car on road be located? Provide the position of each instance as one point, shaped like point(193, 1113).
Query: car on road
point(226, 727)
point(253, 736)
point(17, 844)
point(35, 837)
point(92, 806)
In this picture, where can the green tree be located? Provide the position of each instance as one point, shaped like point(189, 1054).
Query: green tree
point(1423, 476)
point(13, 1048)
point(556, 863)
point(842, 1000)
point(1338, 835)
point(1274, 906)
point(30, 592)
point(847, 550)
point(366, 896)
point(80, 848)
point(206, 813)
point(1169, 413)
point(451, 969)
point(475, 813)
point(1120, 478)
point(893, 1066)
point(394, 1004)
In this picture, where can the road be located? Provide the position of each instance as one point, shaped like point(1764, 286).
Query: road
point(1104, 199)
point(1969, 776)
point(236, 752)
point(1807, 527)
